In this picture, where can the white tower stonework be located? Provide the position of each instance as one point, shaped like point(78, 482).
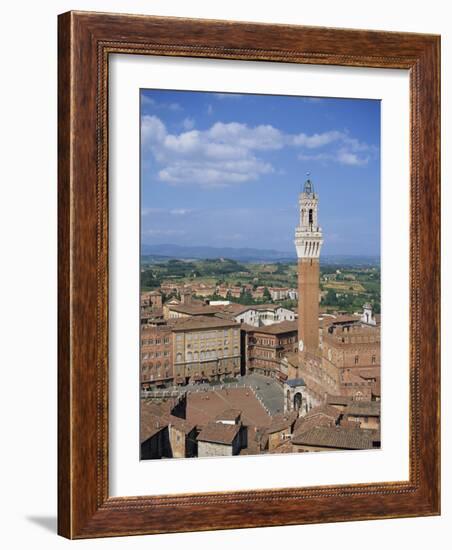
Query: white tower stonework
point(308, 242)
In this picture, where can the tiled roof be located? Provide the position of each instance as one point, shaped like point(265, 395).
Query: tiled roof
point(204, 407)
point(363, 408)
point(195, 309)
point(305, 424)
point(216, 432)
point(200, 323)
point(278, 328)
point(229, 414)
point(319, 416)
point(334, 438)
point(282, 422)
point(151, 424)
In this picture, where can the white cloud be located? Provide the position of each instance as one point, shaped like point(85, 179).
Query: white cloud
point(179, 211)
point(342, 156)
point(188, 123)
point(148, 101)
point(227, 153)
point(352, 159)
point(318, 140)
point(166, 212)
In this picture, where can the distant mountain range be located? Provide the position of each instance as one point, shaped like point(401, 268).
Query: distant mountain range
point(175, 251)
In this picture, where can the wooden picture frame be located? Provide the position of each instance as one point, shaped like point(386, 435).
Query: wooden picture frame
point(86, 40)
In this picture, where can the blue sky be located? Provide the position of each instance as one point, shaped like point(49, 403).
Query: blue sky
point(226, 169)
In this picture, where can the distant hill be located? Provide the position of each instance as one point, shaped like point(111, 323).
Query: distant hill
point(152, 252)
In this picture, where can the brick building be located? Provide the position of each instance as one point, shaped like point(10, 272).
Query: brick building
point(152, 299)
point(182, 438)
point(266, 346)
point(156, 356)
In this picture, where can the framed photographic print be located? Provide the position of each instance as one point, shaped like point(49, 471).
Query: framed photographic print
point(248, 275)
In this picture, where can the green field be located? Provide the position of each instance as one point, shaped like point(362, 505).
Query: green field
point(343, 288)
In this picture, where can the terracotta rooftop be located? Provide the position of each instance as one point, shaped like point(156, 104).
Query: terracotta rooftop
point(335, 438)
point(363, 408)
point(282, 422)
point(195, 309)
point(151, 423)
point(305, 424)
point(151, 313)
point(200, 322)
point(278, 328)
point(216, 432)
point(204, 407)
point(318, 416)
point(229, 414)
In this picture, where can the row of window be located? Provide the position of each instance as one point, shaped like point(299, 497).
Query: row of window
point(153, 366)
point(203, 355)
point(203, 335)
point(151, 354)
point(156, 341)
point(204, 344)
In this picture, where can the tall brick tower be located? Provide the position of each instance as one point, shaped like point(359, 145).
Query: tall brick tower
point(308, 242)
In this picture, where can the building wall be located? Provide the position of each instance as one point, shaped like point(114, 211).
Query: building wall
point(205, 448)
point(207, 353)
point(156, 356)
point(308, 303)
point(183, 445)
point(265, 317)
point(369, 422)
point(353, 346)
point(277, 438)
point(265, 351)
point(156, 446)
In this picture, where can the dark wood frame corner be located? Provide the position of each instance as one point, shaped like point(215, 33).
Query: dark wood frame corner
point(85, 42)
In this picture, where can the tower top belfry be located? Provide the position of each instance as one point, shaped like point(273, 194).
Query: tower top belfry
point(308, 234)
point(308, 242)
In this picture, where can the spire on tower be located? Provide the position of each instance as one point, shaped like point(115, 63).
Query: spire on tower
point(308, 187)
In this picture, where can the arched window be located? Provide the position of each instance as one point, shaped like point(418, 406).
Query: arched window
point(310, 217)
point(179, 357)
point(297, 401)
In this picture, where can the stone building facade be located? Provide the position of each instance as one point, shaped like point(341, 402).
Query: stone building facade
point(219, 439)
point(205, 348)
